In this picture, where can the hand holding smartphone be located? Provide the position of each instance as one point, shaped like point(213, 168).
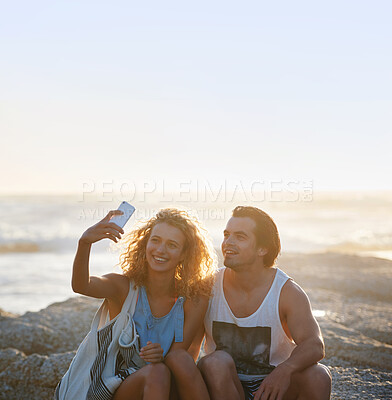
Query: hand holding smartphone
point(122, 219)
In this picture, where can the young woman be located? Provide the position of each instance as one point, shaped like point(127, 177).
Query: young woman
point(167, 264)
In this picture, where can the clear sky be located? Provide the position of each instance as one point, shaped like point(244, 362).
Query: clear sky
point(97, 91)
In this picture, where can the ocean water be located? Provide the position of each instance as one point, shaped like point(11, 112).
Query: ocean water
point(39, 234)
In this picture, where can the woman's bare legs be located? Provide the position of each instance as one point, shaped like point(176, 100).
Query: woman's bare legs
point(152, 382)
point(173, 389)
point(189, 382)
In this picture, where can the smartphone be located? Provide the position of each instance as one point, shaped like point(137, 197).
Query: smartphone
point(121, 220)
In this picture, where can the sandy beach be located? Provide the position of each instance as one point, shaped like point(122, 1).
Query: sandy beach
point(354, 292)
point(350, 295)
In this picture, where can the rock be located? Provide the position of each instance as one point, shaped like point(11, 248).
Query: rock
point(57, 329)
point(348, 344)
point(37, 348)
point(9, 356)
point(34, 377)
point(5, 314)
point(362, 277)
point(355, 383)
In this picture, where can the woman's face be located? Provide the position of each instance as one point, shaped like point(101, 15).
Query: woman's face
point(165, 247)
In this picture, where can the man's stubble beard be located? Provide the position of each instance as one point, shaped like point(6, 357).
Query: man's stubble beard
point(233, 266)
point(238, 266)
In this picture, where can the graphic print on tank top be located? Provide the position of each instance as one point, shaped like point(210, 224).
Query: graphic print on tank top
point(248, 346)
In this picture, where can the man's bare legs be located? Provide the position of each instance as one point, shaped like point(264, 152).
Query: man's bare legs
point(313, 383)
point(152, 382)
point(220, 375)
point(187, 377)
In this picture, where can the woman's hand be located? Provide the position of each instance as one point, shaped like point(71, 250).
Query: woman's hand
point(152, 353)
point(103, 229)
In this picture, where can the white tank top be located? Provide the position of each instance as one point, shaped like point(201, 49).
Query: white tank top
point(258, 342)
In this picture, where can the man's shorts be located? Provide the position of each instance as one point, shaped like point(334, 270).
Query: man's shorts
point(250, 384)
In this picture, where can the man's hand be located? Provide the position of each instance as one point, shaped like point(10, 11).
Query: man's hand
point(275, 385)
point(152, 353)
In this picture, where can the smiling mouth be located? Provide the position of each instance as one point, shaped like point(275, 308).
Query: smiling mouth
point(230, 253)
point(159, 259)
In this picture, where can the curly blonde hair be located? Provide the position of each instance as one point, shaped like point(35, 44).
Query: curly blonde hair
point(194, 276)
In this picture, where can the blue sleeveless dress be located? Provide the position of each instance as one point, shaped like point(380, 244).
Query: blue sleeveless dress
point(161, 330)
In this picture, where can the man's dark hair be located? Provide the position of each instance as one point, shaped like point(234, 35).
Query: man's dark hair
point(267, 235)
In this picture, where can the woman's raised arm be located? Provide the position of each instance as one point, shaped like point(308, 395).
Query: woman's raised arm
point(109, 286)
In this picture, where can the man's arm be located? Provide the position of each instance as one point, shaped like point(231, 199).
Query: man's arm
point(296, 316)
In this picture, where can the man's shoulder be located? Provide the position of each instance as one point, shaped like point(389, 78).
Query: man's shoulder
point(216, 278)
point(292, 294)
point(292, 288)
point(281, 274)
point(218, 274)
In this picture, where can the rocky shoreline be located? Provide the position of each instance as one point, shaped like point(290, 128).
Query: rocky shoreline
point(351, 293)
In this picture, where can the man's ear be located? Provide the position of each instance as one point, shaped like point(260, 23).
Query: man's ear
point(262, 251)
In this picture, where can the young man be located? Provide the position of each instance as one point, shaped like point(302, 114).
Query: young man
point(261, 337)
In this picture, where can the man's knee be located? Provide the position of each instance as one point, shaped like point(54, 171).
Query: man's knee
point(220, 374)
point(315, 381)
point(319, 375)
point(217, 363)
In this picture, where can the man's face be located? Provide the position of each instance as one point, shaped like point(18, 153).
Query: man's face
point(239, 243)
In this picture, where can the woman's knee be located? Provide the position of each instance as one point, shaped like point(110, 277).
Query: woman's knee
point(178, 356)
point(157, 374)
point(179, 359)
